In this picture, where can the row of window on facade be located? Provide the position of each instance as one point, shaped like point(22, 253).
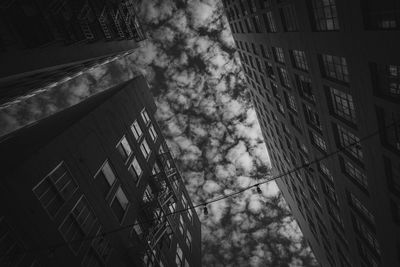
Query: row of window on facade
point(58, 187)
point(382, 16)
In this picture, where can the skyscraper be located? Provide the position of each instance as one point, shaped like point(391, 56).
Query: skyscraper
point(45, 42)
point(92, 186)
point(323, 76)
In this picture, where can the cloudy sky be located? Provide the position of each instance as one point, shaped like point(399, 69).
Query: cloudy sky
point(206, 114)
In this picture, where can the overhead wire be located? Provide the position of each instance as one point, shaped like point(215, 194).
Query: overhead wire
point(52, 248)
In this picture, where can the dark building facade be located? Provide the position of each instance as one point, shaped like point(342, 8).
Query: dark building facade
point(45, 42)
point(91, 186)
point(323, 74)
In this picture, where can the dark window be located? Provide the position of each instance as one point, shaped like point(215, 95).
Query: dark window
point(312, 117)
point(392, 171)
point(386, 80)
point(354, 172)
point(278, 54)
point(335, 68)
point(299, 59)
point(381, 15)
point(256, 23)
point(325, 15)
point(289, 19)
point(105, 178)
point(305, 87)
point(389, 123)
point(55, 189)
point(269, 22)
point(119, 204)
point(350, 142)
point(284, 77)
point(342, 104)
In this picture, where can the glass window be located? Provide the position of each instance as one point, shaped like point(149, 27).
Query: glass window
point(145, 116)
point(188, 240)
point(119, 204)
point(144, 147)
point(136, 130)
point(367, 234)
point(148, 194)
point(350, 142)
point(318, 141)
point(124, 148)
point(335, 68)
point(284, 77)
point(299, 59)
point(105, 178)
point(383, 15)
point(343, 105)
point(98, 252)
point(355, 173)
point(325, 15)
point(312, 117)
point(304, 86)
point(55, 189)
point(135, 170)
point(359, 206)
point(269, 22)
point(78, 224)
point(289, 19)
point(153, 133)
point(179, 255)
point(278, 54)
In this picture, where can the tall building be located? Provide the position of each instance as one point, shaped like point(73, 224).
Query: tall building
point(92, 186)
point(324, 74)
point(45, 42)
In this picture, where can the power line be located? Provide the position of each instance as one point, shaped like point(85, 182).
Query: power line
point(204, 204)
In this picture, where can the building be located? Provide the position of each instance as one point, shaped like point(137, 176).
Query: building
point(46, 42)
point(92, 186)
point(324, 74)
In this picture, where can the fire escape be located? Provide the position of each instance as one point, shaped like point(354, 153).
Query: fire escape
point(162, 201)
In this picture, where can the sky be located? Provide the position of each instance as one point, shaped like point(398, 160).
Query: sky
point(208, 120)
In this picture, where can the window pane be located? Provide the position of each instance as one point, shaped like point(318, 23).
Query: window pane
point(136, 130)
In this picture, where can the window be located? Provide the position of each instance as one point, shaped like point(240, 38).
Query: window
point(278, 54)
point(119, 204)
point(12, 251)
point(353, 172)
point(312, 117)
point(325, 15)
point(145, 116)
point(270, 70)
point(124, 148)
point(137, 229)
point(342, 104)
point(135, 170)
point(105, 178)
point(179, 256)
point(392, 171)
point(381, 15)
point(55, 189)
point(256, 24)
point(153, 133)
point(144, 147)
point(350, 142)
point(335, 68)
point(269, 22)
point(325, 171)
point(318, 141)
point(148, 194)
point(264, 51)
point(357, 204)
point(98, 252)
point(299, 60)
point(367, 235)
point(188, 240)
point(289, 19)
point(78, 224)
point(304, 86)
point(291, 102)
point(387, 79)
point(136, 130)
point(284, 77)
